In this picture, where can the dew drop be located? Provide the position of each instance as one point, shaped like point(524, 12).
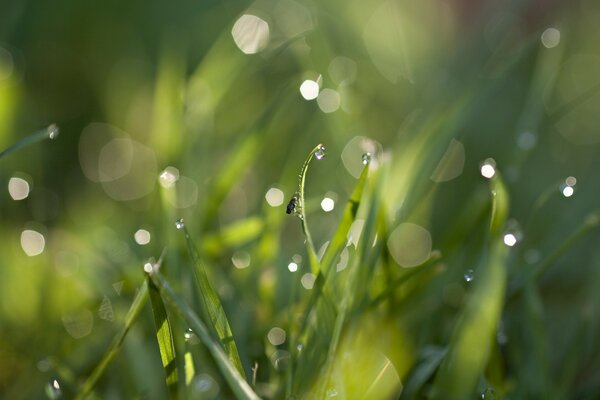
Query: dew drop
point(179, 224)
point(469, 275)
point(300, 347)
point(53, 390)
point(320, 152)
point(149, 266)
point(53, 131)
point(366, 158)
point(190, 337)
point(332, 393)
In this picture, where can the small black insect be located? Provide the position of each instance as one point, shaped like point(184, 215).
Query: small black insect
point(291, 205)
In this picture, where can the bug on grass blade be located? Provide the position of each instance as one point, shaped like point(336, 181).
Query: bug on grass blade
point(291, 207)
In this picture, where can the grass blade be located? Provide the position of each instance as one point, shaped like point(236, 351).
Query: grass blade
point(213, 307)
point(164, 335)
point(47, 133)
point(472, 340)
point(134, 311)
point(236, 381)
point(297, 206)
point(341, 234)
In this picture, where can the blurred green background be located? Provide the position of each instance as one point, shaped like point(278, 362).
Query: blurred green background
point(197, 109)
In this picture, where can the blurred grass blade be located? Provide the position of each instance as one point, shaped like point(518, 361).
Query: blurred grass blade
point(47, 133)
point(499, 205)
point(134, 311)
point(213, 307)
point(164, 335)
point(236, 381)
point(300, 209)
point(473, 337)
point(431, 359)
point(190, 371)
point(233, 235)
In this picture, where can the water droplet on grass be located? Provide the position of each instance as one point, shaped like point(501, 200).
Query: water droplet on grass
point(53, 390)
point(320, 152)
point(469, 275)
point(488, 394)
point(179, 224)
point(190, 337)
point(148, 267)
point(366, 158)
point(332, 393)
point(53, 131)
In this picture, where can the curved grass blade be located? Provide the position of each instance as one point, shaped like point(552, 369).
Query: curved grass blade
point(134, 311)
point(236, 381)
point(472, 340)
point(297, 206)
point(213, 307)
point(47, 133)
point(164, 335)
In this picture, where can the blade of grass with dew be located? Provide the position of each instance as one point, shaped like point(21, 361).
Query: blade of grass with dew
point(355, 288)
point(339, 240)
point(164, 336)
point(472, 339)
point(330, 312)
point(335, 247)
point(299, 210)
point(230, 372)
point(47, 133)
point(134, 311)
point(341, 234)
point(213, 307)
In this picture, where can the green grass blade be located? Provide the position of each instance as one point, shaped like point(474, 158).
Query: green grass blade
point(301, 213)
point(473, 337)
point(236, 381)
point(164, 335)
point(47, 133)
point(341, 234)
point(213, 307)
point(134, 311)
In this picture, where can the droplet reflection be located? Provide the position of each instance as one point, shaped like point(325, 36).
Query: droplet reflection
point(309, 89)
point(327, 204)
point(142, 237)
point(53, 131)
point(469, 275)
point(510, 239)
point(274, 197)
point(250, 33)
point(18, 188)
point(32, 242)
point(276, 336)
point(320, 152)
point(550, 38)
point(488, 168)
point(179, 224)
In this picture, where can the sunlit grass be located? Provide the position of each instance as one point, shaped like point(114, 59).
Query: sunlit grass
point(415, 279)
